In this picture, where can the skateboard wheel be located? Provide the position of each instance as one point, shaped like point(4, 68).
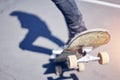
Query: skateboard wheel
point(58, 70)
point(72, 61)
point(81, 67)
point(104, 57)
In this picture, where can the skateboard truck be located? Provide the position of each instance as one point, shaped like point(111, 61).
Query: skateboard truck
point(59, 51)
point(87, 57)
point(55, 52)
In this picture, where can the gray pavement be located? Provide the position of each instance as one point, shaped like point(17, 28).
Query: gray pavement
point(31, 29)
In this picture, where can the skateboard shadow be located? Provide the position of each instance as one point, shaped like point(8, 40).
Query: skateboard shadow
point(50, 68)
point(72, 76)
point(36, 28)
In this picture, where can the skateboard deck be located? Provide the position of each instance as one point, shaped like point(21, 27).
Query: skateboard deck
point(91, 38)
point(75, 55)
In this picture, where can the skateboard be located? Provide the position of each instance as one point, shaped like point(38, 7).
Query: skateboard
point(77, 52)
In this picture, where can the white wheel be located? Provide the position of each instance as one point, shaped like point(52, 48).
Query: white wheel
point(58, 70)
point(104, 57)
point(81, 67)
point(72, 61)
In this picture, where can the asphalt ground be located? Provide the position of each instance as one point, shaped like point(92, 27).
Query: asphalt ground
point(29, 30)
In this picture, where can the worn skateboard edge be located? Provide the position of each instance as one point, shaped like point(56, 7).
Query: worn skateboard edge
point(90, 38)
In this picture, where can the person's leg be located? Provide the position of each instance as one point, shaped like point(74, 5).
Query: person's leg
point(72, 16)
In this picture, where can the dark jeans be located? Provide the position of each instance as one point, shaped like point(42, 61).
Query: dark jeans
point(72, 16)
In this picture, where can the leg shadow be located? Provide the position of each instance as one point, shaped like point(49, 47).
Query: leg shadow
point(36, 28)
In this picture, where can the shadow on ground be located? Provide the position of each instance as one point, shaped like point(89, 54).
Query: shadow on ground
point(36, 28)
point(72, 76)
point(50, 69)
